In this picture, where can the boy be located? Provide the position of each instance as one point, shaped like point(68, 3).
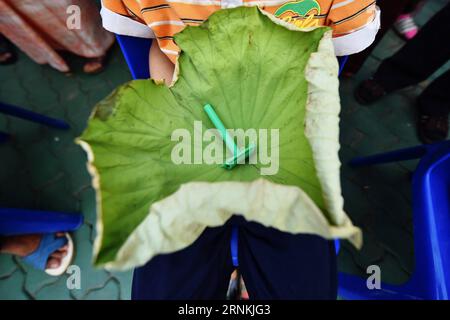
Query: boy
point(354, 22)
point(274, 264)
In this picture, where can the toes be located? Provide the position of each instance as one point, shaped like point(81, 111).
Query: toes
point(57, 255)
point(54, 260)
point(63, 253)
point(53, 263)
point(64, 248)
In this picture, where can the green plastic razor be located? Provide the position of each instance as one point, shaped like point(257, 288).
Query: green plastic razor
point(239, 156)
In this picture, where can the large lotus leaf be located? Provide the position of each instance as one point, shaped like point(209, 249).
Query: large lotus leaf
point(254, 73)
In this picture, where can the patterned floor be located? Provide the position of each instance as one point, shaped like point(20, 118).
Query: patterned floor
point(41, 168)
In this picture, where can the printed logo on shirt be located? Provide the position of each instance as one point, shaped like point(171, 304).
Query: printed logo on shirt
point(301, 13)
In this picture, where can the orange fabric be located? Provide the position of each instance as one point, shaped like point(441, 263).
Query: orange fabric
point(133, 9)
point(168, 17)
point(347, 19)
point(116, 5)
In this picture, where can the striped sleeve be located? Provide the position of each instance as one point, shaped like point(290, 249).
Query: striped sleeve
point(145, 18)
point(165, 22)
point(124, 17)
point(355, 24)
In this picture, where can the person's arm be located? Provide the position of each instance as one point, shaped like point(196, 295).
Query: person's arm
point(161, 68)
point(131, 18)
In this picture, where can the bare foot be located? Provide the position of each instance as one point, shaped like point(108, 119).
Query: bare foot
point(23, 245)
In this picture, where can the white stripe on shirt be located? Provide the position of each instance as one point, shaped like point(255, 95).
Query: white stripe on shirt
point(160, 23)
point(199, 2)
point(172, 52)
point(268, 3)
point(341, 4)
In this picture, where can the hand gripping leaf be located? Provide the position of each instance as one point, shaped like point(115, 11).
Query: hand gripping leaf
point(257, 74)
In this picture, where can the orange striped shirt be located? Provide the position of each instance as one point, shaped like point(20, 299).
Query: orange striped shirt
point(167, 17)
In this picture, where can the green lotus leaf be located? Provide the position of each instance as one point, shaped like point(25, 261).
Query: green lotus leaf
point(257, 74)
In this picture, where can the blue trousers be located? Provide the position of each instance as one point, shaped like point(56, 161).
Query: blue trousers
point(274, 265)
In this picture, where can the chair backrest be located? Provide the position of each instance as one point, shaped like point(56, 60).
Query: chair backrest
point(431, 214)
point(431, 208)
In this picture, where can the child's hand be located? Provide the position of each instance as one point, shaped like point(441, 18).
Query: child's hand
point(161, 68)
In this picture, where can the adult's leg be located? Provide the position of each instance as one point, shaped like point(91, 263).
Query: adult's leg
point(200, 271)
point(434, 108)
point(420, 57)
point(435, 99)
point(279, 265)
point(390, 10)
point(405, 25)
point(412, 5)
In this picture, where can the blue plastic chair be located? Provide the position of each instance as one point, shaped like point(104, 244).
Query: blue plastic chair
point(431, 214)
point(136, 51)
point(20, 221)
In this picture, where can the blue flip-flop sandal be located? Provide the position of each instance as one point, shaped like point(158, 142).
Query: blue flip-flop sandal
point(49, 244)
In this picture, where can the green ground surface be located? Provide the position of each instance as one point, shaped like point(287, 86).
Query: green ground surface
point(42, 168)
